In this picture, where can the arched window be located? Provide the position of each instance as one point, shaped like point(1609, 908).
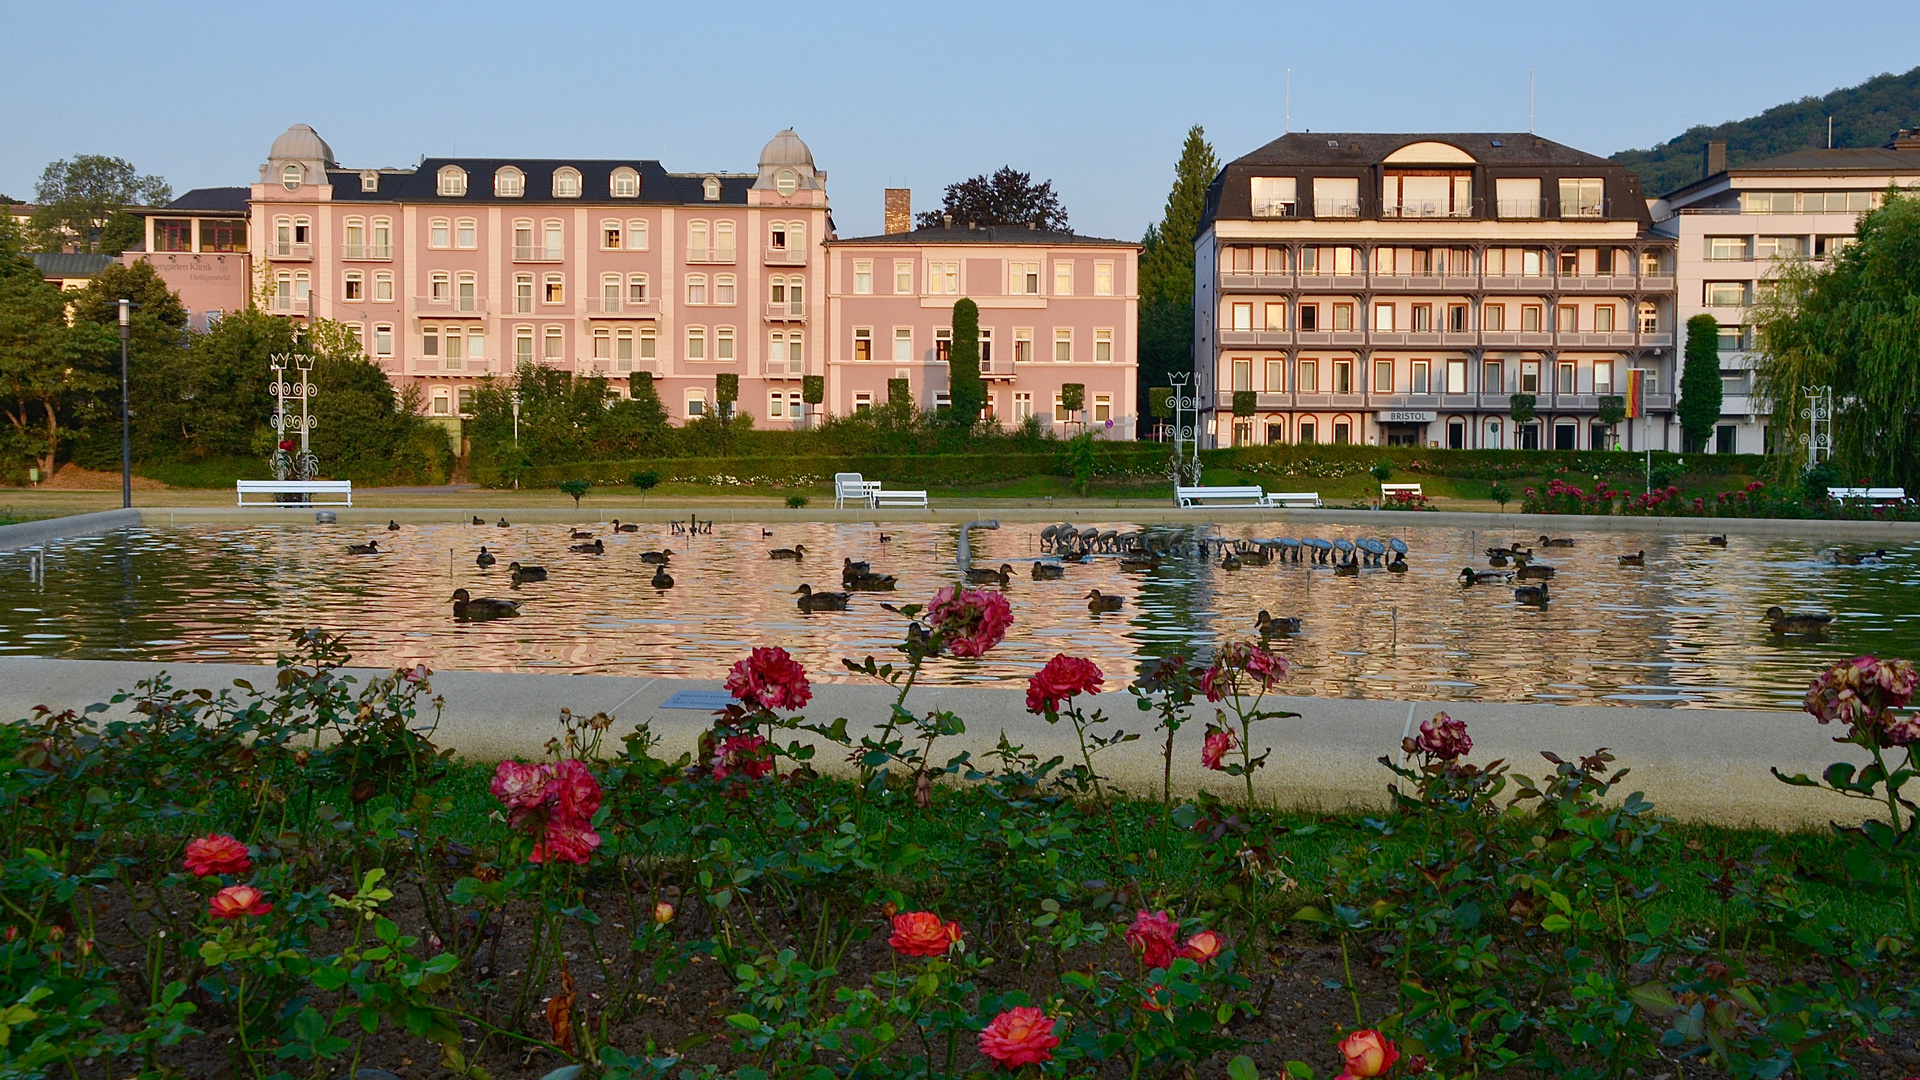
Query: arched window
point(786, 181)
point(625, 184)
point(293, 176)
point(509, 183)
point(566, 183)
point(452, 181)
point(712, 188)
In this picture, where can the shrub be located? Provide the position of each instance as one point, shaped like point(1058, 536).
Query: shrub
point(795, 502)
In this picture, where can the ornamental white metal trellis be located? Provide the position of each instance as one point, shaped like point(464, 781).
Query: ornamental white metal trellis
point(288, 464)
point(1818, 414)
point(1184, 402)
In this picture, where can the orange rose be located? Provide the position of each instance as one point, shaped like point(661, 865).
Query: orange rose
point(662, 913)
point(921, 933)
point(1204, 946)
point(1019, 1036)
point(216, 854)
point(1368, 1053)
point(236, 901)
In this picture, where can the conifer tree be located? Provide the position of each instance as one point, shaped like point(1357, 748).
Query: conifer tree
point(1699, 407)
point(968, 392)
point(1166, 266)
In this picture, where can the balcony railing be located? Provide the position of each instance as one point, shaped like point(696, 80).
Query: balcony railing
point(786, 369)
point(709, 254)
point(287, 305)
point(366, 252)
point(781, 257)
point(1276, 208)
point(638, 366)
point(1426, 209)
point(998, 367)
point(288, 250)
point(1234, 281)
point(537, 253)
point(1584, 211)
point(783, 311)
point(1336, 208)
point(1445, 339)
point(617, 307)
point(458, 305)
point(1517, 209)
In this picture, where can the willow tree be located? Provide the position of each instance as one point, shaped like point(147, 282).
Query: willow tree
point(1853, 325)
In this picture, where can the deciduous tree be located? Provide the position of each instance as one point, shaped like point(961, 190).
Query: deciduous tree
point(48, 369)
point(1007, 197)
point(85, 201)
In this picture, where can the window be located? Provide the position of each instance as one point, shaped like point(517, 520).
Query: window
point(1275, 315)
point(786, 236)
point(1530, 318)
point(1603, 318)
point(1603, 376)
point(222, 236)
point(1456, 318)
point(359, 333)
point(566, 182)
point(429, 341)
point(1426, 194)
point(1242, 373)
point(1023, 278)
point(1062, 278)
point(942, 344)
point(383, 286)
point(902, 278)
point(556, 235)
point(862, 401)
point(1584, 197)
point(723, 343)
point(1533, 263)
point(1726, 293)
point(1733, 337)
point(1529, 376)
point(1383, 317)
point(173, 234)
point(697, 236)
point(649, 343)
point(1493, 379)
point(1570, 264)
point(1102, 408)
point(1242, 317)
point(1273, 196)
point(293, 176)
point(440, 287)
point(862, 344)
point(1420, 380)
point(1308, 432)
point(1307, 377)
point(442, 403)
point(369, 181)
point(454, 341)
point(439, 233)
point(555, 289)
point(1310, 316)
point(623, 351)
point(636, 235)
point(1569, 319)
point(509, 183)
point(1649, 317)
point(1276, 377)
point(1563, 380)
point(863, 277)
point(465, 234)
point(1063, 346)
point(523, 294)
point(625, 183)
point(1022, 406)
point(1726, 248)
point(986, 350)
point(1780, 247)
point(785, 182)
point(1342, 432)
point(610, 234)
point(696, 402)
point(723, 241)
point(1060, 414)
point(1493, 317)
point(1422, 318)
point(1383, 376)
point(710, 189)
point(382, 340)
point(353, 286)
point(723, 289)
point(555, 344)
point(1103, 346)
point(522, 345)
point(902, 344)
point(1022, 345)
point(452, 181)
point(1343, 376)
point(943, 278)
point(1103, 279)
point(1517, 197)
point(696, 288)
point(1336, 197)
point(696, 343)
point(356, 239)
point(610, 292)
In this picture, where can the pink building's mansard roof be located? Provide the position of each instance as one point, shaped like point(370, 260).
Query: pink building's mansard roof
point(1003, 235)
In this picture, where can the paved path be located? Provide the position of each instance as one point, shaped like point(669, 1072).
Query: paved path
point(1694, 764)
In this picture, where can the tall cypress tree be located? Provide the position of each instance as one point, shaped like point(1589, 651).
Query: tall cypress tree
point(968, 390)
point(1166, 266)
point(1700, 388)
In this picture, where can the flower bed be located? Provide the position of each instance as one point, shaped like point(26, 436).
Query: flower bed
point(294, 881)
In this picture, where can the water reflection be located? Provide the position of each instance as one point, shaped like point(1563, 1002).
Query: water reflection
point(1682, 630)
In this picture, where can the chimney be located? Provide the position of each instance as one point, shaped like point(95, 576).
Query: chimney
point(1714, 161)
point(1905, 139)
point(899, 210)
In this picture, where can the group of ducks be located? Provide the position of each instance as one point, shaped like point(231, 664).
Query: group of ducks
point(1345, 556)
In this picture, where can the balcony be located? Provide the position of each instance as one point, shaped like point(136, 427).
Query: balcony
point(1516, 339)
point(997, 368)
point(1276, 208)
point(1656, 340)
point(645, 366)
point(779, 257)
point(710, 255)
point(785, 369)
point(782, 311)
point(1255, 339)
point(1336, 208)
point(287, 305)
point(1517, 209)
point(613, 307)
point(1426, 209)
point(450, 306)
point(1255, 282)
point(1592, 339)
point(537, 253)
point(366, 252)
point(288, 251)
point(1310, 280)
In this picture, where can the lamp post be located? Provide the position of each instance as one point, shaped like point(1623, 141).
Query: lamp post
point(516, 440)
point(126, 423)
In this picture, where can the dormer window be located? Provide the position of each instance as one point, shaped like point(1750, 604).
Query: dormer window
point(566, 183)
point(786, 181)
point(509, 183)
point(452, 181)
point(293, 176)
point(712, 188)
point(369, 181)
point(625, 184)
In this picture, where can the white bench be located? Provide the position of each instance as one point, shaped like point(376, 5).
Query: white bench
point(850, 485)
point(883, 498)
point(1388, 491)
point(1870, 494)
point(306, 488)
point(1205, 496)
point(1295, 500)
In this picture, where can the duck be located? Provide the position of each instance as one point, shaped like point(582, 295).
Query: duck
point(1139, 562)
point(1638, 558)
point(1350, 568)
point(1718, 541)
point(1802, 623)
point(579, 534)
point(1048, 571)
point(628, 527)
point(468, 609)
point(919, 639)
point(656, 557)
point(598, 547)
point(1398, 565)
point(661, 579)
point(821, 601)
point(849, 568)
point(1535, 572)
point(982, 577)
point(392, 525)
point(1532, 594)
point(869, 582)
point(1470, 576)
point(886, 538)
point(764, 533)
point(526, 573)
point(485, 558)
point(797, 551)
point(1272, 627)
point(1230, 560)
point(477, 520)
point(1098, 602)
point(503, 523)
point(1843, 558)
point(371, 547)
point(1560, 541)
point(1496, 557)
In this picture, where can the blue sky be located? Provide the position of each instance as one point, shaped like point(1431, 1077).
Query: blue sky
point(1096, 97)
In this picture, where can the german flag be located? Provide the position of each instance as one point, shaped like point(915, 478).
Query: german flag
point(1635, 389)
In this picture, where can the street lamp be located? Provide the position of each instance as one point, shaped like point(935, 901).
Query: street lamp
point(126, 423)
point(516, 439)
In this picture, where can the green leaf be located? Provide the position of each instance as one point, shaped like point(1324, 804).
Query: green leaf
point(1300, 1069)
point(1554, 924)
point(1311, 914)
point(744, 1021)
point(565, 1072)
point(329, 978)
point(1241, 1068)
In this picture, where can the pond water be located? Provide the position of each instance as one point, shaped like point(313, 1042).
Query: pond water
point(1685, 630)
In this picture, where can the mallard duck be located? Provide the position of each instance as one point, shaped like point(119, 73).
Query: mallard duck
point(598, 547)
point(1638, 558)
point(1718, 541)
point(1139, 562)
point(849, 568)
point(1098, 601)
point(869, 582)
point(1496, 557)
point(1535, 572)
point(1560, 541)
point(764, 533)
point(820, 601)
point(1398, 565)
point(1272, 627)
point(1048, 571)
point(1231, 560)
point(526, 573)
point(477, 520)
point(1531, 594)
point(628, 527)
point(392, 525)
point(982, 577)
point(661, 579)
point(1470, 576)
point(467, 609)
point(1843, 558)
point(371, 547)
point(485, 558)
point(656, 557)
point(885, 539)
point(1350, 568)
point(797, 551)
point(579, 534)
point(1803, 623)
point(503, 523)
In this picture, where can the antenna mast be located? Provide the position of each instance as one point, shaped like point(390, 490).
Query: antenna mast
point(1529, 101)
point(1289, 130)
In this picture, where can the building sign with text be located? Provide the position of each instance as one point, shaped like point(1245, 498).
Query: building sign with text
point(1406, 416)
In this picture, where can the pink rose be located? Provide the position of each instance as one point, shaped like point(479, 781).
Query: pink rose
point(1019, 1037)
point(743, 754)
point(1064, 677)
point(576, 792)
point(969, 621)
point(769, 679)
point(238, 901)
point(217, 854)
point(1220, 742)
point(1444, 737)
point(1367, 1053)
point(565, 841)
point(521, 786)
point(1154, 938)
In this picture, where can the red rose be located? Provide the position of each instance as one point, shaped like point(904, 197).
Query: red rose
point(742, 754)
point(969, 621)
point(1019, 1036)
point(217, 854)
point(1219, 742)
point(769, 679)
point(236, 901)
point(521, 786)
point(1152, 937)
point(565, 841)
point(1064, 677)
point(921, 933)
point(575, 791)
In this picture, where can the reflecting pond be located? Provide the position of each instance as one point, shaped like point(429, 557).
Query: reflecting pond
point(1684, 630)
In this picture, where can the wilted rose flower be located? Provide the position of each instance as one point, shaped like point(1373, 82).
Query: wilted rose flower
point(236, 901)
point(969, 621)
point(1204, 946)
point(742, 754)
point(1444, 737)
point(521, 786)
point(1153, 937)
point(1368, 1053)
point(1263, 670)
point(1861, 694)
point(1019, 1037)
point(921, 933)
point(1220, 742)
point(1064, 677)
point(769, 679)
point(217, 854)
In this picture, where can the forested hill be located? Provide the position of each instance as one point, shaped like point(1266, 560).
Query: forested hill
point(1863, 115)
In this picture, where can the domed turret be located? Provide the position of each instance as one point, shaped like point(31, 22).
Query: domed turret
point(784, 149)
point(787, 172)
point(302, 143)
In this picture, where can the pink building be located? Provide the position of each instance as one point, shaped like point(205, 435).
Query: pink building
point(198, 245)
point(1056, 308)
